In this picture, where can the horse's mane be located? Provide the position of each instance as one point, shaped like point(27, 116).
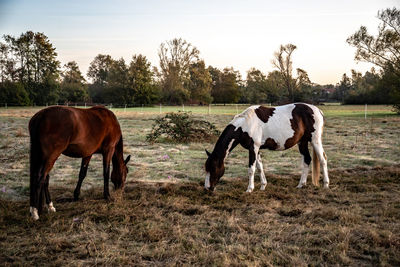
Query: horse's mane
point(246, 114)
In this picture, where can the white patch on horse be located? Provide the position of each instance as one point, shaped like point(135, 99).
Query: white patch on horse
point(34, 213)
point(207, 181)
point(278, 126)
point(229, 148)
point(51, 207)
point(304, 174)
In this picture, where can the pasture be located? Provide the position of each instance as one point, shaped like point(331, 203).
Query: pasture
point(165, 217)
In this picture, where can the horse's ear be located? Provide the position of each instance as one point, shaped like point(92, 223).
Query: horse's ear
point(128, 158)
point(208, 153)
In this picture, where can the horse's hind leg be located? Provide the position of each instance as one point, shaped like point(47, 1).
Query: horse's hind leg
point(82, 175)
point(262, 175)
point(306, 160)
point(49, 203)
point(319, 151)
point(40, 189)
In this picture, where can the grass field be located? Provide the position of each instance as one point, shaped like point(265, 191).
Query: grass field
point(165, 217)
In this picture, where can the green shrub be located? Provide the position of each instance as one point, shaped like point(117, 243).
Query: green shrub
point(182, 128)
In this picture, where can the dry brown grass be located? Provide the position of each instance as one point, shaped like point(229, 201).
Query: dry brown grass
point(356, 222)
point(165, 217)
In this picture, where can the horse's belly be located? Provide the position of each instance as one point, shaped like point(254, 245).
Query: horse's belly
point(78, 151)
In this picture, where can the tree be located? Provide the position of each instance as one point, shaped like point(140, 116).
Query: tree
point(175, 59)
point(99, 69)
point(382, 50)
point(14, 94)
point(32, 60)
point(140, 77)
point(72, 74)
point(256, 87)
point(35, 56)
point(199, 83)
point(343, 88)
point(73, 85)
point(275, 84)
point(98, 72)
point(283, 62)
point(225, 85)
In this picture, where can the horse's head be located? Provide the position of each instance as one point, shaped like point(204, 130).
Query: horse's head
point(215, 170)
point(118, 174)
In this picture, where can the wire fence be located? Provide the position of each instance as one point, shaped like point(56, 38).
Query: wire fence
point(155, 108)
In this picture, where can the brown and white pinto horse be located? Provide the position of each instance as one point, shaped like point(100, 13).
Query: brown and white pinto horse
point(276, 128)
point(77, 133)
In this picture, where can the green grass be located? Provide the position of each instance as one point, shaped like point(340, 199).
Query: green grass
point(329, 110)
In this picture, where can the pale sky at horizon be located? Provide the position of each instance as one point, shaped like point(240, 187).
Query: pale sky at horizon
point(238, 34)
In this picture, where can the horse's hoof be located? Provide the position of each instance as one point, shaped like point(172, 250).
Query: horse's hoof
point(326, 185)
point(300, 185)
point(262, 188)
point(51, 207)
point(34, 213)
point(249, 190)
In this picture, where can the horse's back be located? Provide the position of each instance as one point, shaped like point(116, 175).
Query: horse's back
point(74, 132)
point(280, 127)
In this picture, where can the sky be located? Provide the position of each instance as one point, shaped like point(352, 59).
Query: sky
point(238, 34)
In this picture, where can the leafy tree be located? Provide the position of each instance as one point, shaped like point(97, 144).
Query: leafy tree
point(275, 85)
point(72, 74)
point(175, 59)
point(383, 50)
point(343, 88)
point(98, 71)
point(14, 94)
point(117, 90)
point(225, 87)
point(256, 87)
point(35, 56)
point(73, 85)
point(141, 81)
point(200, 83)
point(32, 60)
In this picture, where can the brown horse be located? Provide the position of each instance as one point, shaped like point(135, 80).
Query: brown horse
point(77, 133)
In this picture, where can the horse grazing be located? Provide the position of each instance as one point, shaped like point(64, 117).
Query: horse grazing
point(77, 133)
point(276, 128)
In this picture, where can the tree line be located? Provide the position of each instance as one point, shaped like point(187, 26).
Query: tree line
point(30, 73)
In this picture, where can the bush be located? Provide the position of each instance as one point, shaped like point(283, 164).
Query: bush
point(14, 94)
point(182, 128)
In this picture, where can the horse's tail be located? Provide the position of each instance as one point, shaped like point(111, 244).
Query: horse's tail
point(36, 156)
point(315, 168)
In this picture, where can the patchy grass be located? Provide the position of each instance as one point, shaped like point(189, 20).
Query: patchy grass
point(356, 222)
point(165, 218)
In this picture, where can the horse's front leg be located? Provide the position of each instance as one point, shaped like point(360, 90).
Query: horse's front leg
point(106, 171)
point(252, 167)
point(262, 175)
point(82, 175)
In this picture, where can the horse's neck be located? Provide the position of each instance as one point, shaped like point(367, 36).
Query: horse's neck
point(225, 143)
